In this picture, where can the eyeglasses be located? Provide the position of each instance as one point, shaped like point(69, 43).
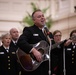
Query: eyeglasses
point(57, 35)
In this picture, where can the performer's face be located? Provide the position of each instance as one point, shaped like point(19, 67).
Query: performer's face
point(39, 19)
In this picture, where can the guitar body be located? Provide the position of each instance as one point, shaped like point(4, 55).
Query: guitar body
point(28, 61)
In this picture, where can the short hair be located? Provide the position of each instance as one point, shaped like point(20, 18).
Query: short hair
point(73, 31)
point(35, 12)
point(56, 31)
point(4, 35)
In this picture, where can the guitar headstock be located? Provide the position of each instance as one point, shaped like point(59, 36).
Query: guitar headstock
point(73, 37)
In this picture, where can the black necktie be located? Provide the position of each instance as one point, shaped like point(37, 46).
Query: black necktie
point(7, 50)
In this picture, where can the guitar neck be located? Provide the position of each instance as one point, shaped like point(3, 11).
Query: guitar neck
point(56, 44)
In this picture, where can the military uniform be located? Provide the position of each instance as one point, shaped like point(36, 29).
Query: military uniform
point(8, 61)
point(13, 44)
point(70, 59)
point(57, 60)
point(15, 47)
point(33, 35)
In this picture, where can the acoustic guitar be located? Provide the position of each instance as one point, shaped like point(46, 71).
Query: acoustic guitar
point(29, 62)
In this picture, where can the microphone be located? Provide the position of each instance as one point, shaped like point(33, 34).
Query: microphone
point(46, 29)
point(48, 32)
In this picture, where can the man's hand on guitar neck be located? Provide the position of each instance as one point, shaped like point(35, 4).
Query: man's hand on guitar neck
point(37, 54)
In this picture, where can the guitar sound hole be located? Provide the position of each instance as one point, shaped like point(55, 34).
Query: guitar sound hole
point(41, 51)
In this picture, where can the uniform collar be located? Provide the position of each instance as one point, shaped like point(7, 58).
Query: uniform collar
point(6, 47)
point(73, 43)
point(14, 41)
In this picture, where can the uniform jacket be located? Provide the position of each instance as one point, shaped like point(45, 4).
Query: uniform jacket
point(33, 35)
point(14, 45)
point(57, 57)
point(57, 60)
point(70, 59)
point(8, 62)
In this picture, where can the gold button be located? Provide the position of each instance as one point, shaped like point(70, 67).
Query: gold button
point(8, 56)
point(8, 60)
point(72, 54)
point(73, 51)
point(72, 62)
point(72, 58)
point(8, 67)
point(9, 64)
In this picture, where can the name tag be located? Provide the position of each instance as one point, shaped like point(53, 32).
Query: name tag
point(68, 49)
point(1, 52)
point(35, 34)
point(13, 53)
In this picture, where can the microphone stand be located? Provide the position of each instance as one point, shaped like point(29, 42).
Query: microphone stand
point(46, 32)
point(49, 40)
point(50, 59)
point(64, 69)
